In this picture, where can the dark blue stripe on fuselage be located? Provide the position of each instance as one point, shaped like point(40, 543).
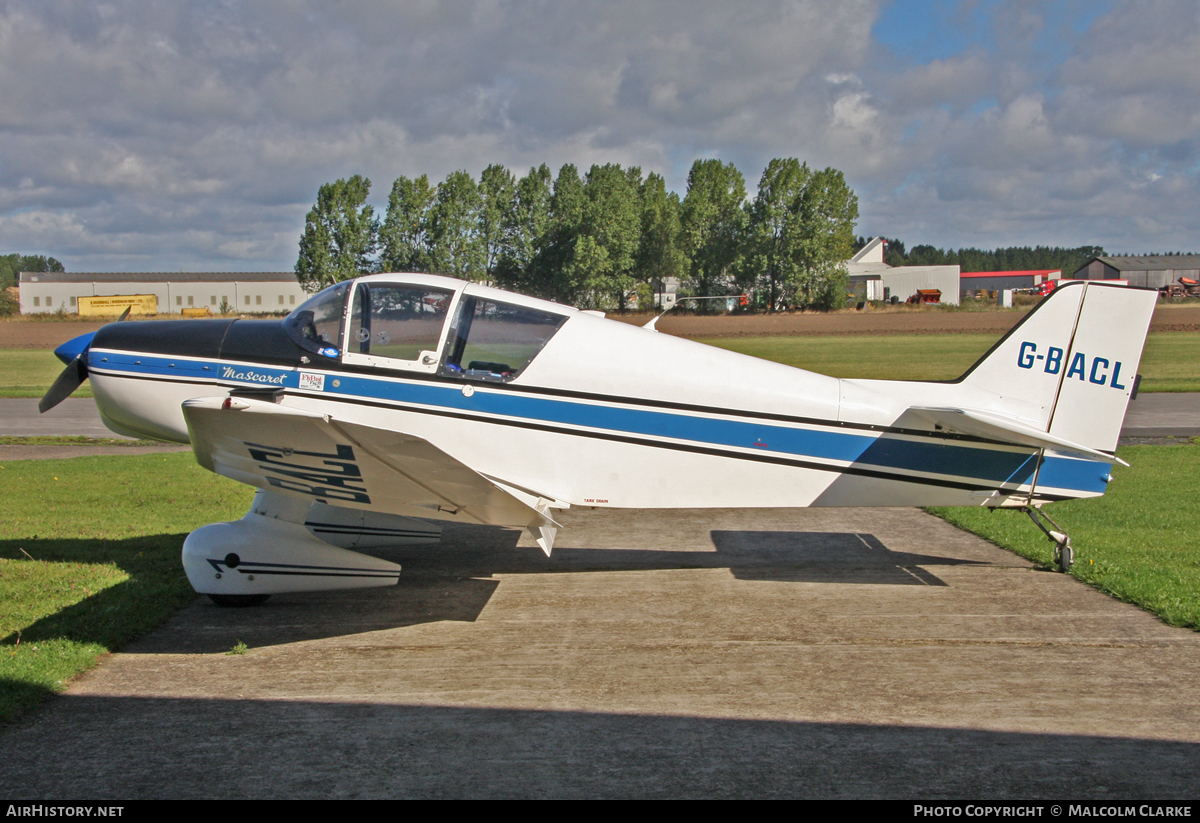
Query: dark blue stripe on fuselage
point(937, 456)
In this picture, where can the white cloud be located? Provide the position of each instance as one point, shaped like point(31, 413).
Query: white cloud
point(163, 135)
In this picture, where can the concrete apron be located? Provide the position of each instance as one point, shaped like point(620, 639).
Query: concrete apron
point(766, 653)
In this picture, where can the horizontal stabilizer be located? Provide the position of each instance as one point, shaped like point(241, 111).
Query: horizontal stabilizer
point(1004, 429)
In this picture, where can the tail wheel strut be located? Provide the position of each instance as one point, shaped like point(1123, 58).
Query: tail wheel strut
point(1064, 555)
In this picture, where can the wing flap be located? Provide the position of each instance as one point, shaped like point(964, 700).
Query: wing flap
point(317, 457)
point(1005, 429)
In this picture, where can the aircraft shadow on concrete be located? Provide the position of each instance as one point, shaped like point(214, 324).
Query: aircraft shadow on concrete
point(92, 747)
point(453, 581)
point(826, 557)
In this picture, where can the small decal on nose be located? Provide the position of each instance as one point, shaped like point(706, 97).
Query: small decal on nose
point(314, 382)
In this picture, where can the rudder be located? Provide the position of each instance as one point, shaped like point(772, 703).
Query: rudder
point(1069, 367)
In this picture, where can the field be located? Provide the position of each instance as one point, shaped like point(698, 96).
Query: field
point(24, 333)
point(903, 344)
point(89, 548)
point(89, 559)
point(1140, 542)
point(1171, 361)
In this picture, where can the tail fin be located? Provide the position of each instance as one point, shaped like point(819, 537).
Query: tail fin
point(1069, 367)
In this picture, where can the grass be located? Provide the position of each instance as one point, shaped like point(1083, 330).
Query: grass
point(1140, 542)
point(73, 440)
point(89, 550)
point(1171, 362)
point(29, 372)
point(89, 559)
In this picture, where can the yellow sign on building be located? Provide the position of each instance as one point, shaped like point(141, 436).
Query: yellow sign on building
point(114, 304)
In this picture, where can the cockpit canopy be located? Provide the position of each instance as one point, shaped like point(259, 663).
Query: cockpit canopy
point(424, 323)
point(316, 324)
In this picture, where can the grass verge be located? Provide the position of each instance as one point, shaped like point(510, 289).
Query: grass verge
point(1140, 542)
point(1170, 363)
point(73, 440)
point(89, 559)
point(29, 373)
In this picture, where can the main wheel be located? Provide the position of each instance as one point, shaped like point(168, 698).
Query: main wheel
point(238, 601)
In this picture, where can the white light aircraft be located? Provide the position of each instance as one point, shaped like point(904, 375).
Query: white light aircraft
point(390, 402)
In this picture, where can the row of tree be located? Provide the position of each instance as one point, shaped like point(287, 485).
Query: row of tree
point(1014, 258)
point(594, 240)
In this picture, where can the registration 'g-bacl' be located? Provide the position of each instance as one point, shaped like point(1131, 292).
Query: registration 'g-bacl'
point(386, 404)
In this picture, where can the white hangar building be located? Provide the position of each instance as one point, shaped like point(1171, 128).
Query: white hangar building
point(247, 292)
point(901, 282)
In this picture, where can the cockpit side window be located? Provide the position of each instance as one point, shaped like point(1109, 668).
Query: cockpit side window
point(316, 324)
point(396, 321)
point(496, 341)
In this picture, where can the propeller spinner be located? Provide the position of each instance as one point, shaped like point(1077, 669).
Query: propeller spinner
point(74, 354)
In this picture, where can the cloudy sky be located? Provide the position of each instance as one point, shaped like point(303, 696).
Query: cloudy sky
point(158, 136)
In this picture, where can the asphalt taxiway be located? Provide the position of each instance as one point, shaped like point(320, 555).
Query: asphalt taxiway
point(731, 653)
point(727, 653)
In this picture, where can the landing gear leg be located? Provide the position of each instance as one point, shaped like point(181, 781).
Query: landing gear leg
point(1064, 555)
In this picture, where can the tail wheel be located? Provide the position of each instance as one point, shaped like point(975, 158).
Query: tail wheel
point(1064, 556)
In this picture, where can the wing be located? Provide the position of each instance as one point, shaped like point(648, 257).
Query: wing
point(318, 457)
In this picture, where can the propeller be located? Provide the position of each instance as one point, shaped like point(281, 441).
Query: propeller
point(74, 354)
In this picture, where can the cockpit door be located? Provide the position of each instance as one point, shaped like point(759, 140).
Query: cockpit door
point(397, 326)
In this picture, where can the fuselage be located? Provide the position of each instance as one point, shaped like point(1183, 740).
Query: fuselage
point(576, 408)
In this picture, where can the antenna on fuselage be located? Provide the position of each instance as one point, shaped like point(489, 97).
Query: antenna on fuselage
point(650, 325)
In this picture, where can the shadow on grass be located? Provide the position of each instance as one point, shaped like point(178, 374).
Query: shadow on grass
point(451, 581)
point(156, 588)
point(73, 638)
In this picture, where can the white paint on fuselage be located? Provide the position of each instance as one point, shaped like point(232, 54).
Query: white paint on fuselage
point(593, 362)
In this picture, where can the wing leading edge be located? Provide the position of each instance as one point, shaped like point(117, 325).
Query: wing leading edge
point(317, 457)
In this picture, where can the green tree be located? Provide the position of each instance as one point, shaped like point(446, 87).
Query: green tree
point(659, 253)
point(404, 238)
point(456, 245)
point(1015, 258)
point(828, 211)
point(801, 233)
point(713, 225)
point(497, 218)
point(551, 272)
point(531, 221)
point(340, 235)
point(773, 229)
point(612, 219)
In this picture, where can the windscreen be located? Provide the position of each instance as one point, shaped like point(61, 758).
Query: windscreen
point(316, 324)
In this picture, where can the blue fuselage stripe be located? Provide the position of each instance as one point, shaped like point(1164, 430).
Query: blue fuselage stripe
point(998, 465)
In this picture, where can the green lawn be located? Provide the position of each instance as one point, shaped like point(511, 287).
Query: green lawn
point(29, 372)
point(89, 559)
point(1171, 361)
point(89, 548)
point(1140, 542)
